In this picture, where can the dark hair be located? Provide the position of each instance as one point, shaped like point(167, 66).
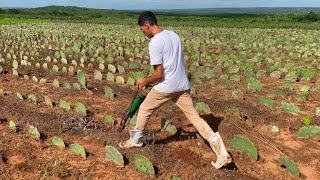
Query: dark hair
point(147, 17)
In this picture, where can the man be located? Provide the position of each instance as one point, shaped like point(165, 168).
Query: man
point(165, 49)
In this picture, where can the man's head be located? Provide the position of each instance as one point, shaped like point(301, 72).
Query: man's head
point(148, 22)
point(147, 17)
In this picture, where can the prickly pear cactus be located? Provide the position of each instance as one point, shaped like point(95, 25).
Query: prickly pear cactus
point(131, 81)
point(138, 75)
point(309, 132)
point(81, 109)
point(112, 68)
point(112, 154)
point(203, 107)
point(48, 101)
point(255, 84)
point(76, 86)
point(55, 68)
point(65, 105)
point(110, 77)
point(243, 144)
point(290, 108)
point(318, 111)
point(175, 178)
point(121, 69)
point(15, 72)
point(67, 85)
point(35, 79)
point(58, 142)
point(143, 165)
point(20, 96)
point(32, 98)
point(12, 126)
point(108, 92)
point(78, 149)
point(167, 126)
point(1, 92)
point(119, 80)
point(97, 75)
point(15, 64)
point(34, 132)
point(81, 78)
point(288, 85)
point(267, 102)
point(290, 165)
point(43, 81)
point(237, 94)
point(109, 120)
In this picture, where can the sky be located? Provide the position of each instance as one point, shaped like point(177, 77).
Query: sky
point(160, 4)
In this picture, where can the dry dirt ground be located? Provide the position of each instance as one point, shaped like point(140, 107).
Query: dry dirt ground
point(184, 155)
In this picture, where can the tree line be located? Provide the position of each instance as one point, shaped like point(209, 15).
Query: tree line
point(207, 19)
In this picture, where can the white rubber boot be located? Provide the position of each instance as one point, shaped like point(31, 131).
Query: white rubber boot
point(134, 141)
point(218, 147)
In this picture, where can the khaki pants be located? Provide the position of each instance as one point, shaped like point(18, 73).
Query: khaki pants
point(182, 99)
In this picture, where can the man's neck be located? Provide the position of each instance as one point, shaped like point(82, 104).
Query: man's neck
point(156, 30)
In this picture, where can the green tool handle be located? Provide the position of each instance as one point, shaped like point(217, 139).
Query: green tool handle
point(135, 105)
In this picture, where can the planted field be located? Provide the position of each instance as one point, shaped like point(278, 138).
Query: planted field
point(64, 88)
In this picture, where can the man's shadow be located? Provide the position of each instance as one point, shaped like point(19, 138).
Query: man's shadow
point(183, 135)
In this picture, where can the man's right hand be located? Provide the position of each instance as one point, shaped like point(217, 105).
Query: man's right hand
point(156, 76)
point(142, 83)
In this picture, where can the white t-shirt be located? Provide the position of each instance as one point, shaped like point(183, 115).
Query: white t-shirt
point(166, 48)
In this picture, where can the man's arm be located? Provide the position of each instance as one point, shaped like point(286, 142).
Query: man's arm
point(156, 76)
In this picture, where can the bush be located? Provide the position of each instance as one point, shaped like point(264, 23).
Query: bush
point(2, 11)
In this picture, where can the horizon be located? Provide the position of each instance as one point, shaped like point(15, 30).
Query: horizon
point(162, 4)
point(162, 9)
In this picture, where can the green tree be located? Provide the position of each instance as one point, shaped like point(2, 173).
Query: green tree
point(14, 11)
point(311, 16)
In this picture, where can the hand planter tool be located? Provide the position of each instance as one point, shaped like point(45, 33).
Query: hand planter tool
point(132, 109)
